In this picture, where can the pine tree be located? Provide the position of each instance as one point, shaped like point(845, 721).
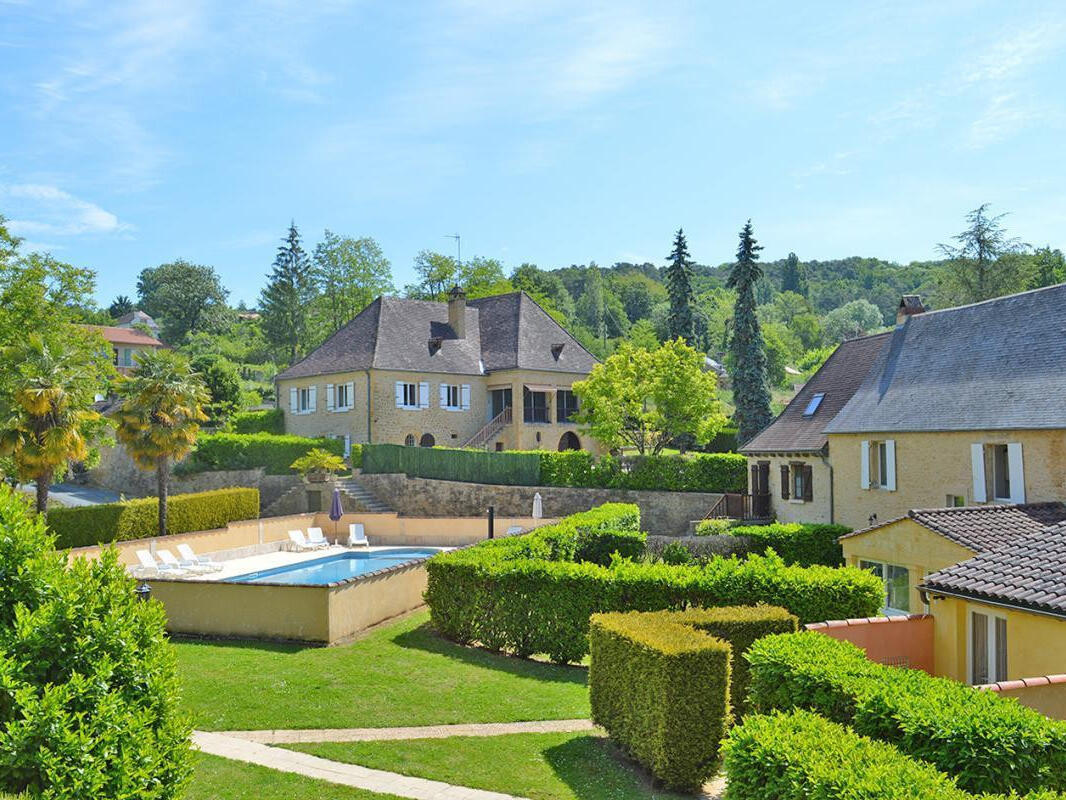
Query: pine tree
point(792, 277)
point(679, 287)
point(751, 394)
point(285, 301)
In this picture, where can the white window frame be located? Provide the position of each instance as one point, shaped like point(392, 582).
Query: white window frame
point(342, 391)
point(880, 568)
point(986, 469)
point(992, 644)
point(407, 395)
point(305, 399)
point(878, 467)
point(450, 397)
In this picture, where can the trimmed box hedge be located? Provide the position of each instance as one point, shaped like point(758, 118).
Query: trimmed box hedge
point(81, 526)
point(696, 472)
point(275, 454)
point(271, 420)
point(452, 464)
point(528, 594)
point(986, 742)
point(798, 543)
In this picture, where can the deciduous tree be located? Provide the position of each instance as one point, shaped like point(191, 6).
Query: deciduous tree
point(184, 297)
point(751, 394)
point(979, 266)
point(851, 320)
point(350, 273)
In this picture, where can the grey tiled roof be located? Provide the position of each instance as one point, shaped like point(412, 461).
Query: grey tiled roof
point(838, 378)
point(1029, 573)
point(995, 365)
point(982, 528)
point(502, 332)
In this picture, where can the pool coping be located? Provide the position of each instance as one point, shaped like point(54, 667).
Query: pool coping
point(333, 584)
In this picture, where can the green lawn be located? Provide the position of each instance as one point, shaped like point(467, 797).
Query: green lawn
point(400, 675)
point(541, 766)
point(220, 779)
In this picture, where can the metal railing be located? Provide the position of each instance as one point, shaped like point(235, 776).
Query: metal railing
point(490, 430)
point(734, 505)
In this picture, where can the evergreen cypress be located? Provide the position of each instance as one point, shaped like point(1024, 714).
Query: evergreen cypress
point(792, 277)
point(751, 393)
point(678, 280)
point(285, 300)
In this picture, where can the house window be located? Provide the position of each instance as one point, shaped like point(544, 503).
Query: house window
point(407, 394)
point(303, 400)
point(897, 585)
point(988, 648)
point(449, 395)
point(955, 501)
point(813, 403)
point(799, 481)
point(114, 356)
point(1000, 472)
point(127, 357)
point(427, 440)
point(409, 440)
point(565, 405)
point(535, 406)
point(499, 401)
point(796, 482)
point(343, 398)
point(878, 465)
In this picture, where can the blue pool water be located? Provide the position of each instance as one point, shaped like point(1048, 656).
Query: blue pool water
point(334, 568)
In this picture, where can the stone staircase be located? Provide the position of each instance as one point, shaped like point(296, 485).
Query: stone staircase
point(355, 495)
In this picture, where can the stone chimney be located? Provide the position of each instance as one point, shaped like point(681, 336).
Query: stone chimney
point(909, 305)
point(457, 311)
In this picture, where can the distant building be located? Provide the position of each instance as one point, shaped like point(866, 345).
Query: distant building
point(126, 343)
point(135, 318)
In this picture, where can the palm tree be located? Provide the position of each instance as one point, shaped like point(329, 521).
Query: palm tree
point(160, 415)
point(46, 408)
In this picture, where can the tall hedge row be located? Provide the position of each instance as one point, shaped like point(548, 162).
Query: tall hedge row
point(797, 543)
point(526, 595)
point(987, 742)
point(271, 420)
point(80, 526)
point(225, 451)
point(474, 466)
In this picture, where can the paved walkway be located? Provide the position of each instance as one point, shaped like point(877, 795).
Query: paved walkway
point(424, 732)
point(70, 494)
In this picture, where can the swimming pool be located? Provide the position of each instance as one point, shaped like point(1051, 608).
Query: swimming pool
point(336, 568)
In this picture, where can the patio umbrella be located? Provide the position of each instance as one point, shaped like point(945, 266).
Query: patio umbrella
point(538, 506)
point(336, 511)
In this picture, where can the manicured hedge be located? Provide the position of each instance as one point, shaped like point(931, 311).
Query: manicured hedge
point(270, 420)
point(526, 595)
point(696, 472)
point(798, 543)
point(987, 742)
point(79, 526)
point(223, 451)
point(452, 464)
point(725, 441)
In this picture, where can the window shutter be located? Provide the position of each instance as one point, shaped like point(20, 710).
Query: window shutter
point(977, 467)
point(351, 395)
point(399, 394)
point(294, 399)
point(784, 482)
point(864, 465)
point(330, 404)
point(808, 483)
point(312, 401)
point(754, 479)
point(890, 464)
point(464, 396)
point(1017, 472)
point(444, 395)
point(423, 395)
point(347, 445)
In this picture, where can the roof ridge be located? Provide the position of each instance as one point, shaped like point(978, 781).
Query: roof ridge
point(990, 300)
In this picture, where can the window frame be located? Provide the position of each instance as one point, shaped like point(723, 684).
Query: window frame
point(410, 393)
point(564, 412)
point(798, 479)
point(882, 570)
point(449, 390)
point(995, 645)
point(999, 452)
point(345, 390)
point(303, 399)
point(529, 409)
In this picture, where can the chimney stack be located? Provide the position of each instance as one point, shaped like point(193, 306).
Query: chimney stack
point(909, 305)
point(457, 311)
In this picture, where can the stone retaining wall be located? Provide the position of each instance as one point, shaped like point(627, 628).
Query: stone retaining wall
point(666, 513)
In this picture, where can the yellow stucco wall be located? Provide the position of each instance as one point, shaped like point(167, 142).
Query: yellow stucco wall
point(818, 509)
point(1036, 644)
point(906, 544)
point(931, 466)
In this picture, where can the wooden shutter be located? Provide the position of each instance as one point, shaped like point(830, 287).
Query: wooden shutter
point(890, 465)
point(754, 479)
point(351, 395)
point(784, 482)
point(294, 400)
point(1016, 472)
point(399, 394)
point(864, 464)
point(977, 468)
point(444, 395)
point(423, 395)
point(464, 396)
point(330, 399)
point(312, 400)
point(808, 482)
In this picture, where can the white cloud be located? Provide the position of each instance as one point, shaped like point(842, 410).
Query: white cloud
point(1002, 117)
point(50, 211)
point(1013, 56)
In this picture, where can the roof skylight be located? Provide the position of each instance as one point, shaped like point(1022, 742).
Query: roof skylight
point(812, 404)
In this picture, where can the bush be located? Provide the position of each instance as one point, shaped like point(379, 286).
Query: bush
point(716, 527)
point(88, 683)
point(79, 526)
point(988, 743)
point(803, 544)
point(725, 441)
point(527, 594)
point(440, 463)
point(275, 454)
point(268, 421)
point(701, 548)
point(676, 553)
point(800, 756)
point(697, 472)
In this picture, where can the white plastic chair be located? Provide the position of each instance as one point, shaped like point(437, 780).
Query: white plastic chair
point(298, 542)
point(357, 535)
point(315, 538)
point(514, 530)
point(193, 561)
point(164, 568)
point(171, 563)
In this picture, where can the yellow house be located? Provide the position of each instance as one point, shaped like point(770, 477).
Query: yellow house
point(962, 407)
point(496, 373)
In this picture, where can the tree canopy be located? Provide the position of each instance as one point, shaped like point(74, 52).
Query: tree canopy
point(748, 363)
point(184, 298)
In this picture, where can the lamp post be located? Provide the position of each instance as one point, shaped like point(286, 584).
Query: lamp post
point(144, 592)
point(492, 521)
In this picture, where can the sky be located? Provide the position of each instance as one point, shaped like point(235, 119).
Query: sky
point(540, 131)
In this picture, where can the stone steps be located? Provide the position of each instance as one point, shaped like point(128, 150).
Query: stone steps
point(359, 494)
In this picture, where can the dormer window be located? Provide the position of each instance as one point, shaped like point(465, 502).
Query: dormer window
point(813, 403)
point(435, 343)
point(557, 350)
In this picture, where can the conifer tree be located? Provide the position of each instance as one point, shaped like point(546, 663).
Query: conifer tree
point(285, 301)
point(792, 277)
point(678, 279)
point(751, 394)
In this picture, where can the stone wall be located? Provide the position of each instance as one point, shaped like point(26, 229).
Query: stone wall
point(666, 513)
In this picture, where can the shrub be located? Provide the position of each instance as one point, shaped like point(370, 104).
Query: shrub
point(275, 454)
point(725, 441)
point(697, 472)
point(702, 548)
point(676, 553)
point(803, 544)
point(78, 526)
point(88, 683)
point(318, 462)
point(716, 527)
point(474, 466)
point(268, 421)
point(988, 743)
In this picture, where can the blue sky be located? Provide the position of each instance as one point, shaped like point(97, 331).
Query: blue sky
point(542, 131)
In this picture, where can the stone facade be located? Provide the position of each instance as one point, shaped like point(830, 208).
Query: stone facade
point(818, 509)
point(666, 513)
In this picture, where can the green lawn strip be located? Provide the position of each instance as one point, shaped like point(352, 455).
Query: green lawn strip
point(221, 779)
point(400, 675)
point(541, 766)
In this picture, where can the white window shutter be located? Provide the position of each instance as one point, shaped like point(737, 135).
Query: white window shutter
point(423, 395)
point(1017, 472)
point(294, 400)
point(312, 402)
point(399, 394)
point(444, 395)
point(351, 395)
point(864, 465)
point(465, 396)
point(977, 466)
point(890, 464)
point(347, 445)
point(330, 404)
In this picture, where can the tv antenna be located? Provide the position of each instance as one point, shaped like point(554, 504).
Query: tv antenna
point(458, 247)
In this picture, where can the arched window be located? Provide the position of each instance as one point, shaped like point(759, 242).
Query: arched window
point(427, 440)
point(410, 440)
point(569, 441)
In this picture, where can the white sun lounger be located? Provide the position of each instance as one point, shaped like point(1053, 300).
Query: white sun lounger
point(298, 542)
point(190, 559)
point(514, 530)
point(357, 535)
point(149, 564)
point(172, 564)
point(315, 538)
